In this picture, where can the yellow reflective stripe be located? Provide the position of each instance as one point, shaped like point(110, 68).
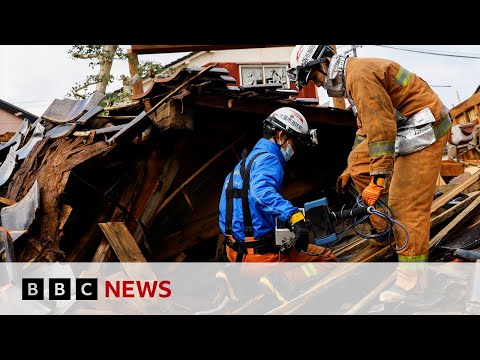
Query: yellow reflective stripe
point(358, 140)
point(312, 269)
point(380, 148)
point(305, 270)
point(403, 76)
point(418, 258)
point(442, 127)
point(298, 216)
point(309, 270)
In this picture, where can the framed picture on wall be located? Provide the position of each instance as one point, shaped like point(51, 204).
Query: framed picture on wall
point(252, 75)
point(264, 74)
point(276, 75)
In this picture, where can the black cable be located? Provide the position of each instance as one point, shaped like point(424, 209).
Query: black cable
point(430, 53)
point(388, 227)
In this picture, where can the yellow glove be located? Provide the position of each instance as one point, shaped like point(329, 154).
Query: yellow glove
point(343, 181)
point(373, 191)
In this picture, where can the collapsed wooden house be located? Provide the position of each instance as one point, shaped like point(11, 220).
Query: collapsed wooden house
point(142, 181)
point(156, 165)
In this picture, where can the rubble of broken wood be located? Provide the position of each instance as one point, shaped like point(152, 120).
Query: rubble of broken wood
point(151, 172)
point(156, 165)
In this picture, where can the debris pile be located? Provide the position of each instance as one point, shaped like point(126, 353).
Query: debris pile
point(150, 172)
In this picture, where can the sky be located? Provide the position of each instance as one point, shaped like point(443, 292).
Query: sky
point(32, 76)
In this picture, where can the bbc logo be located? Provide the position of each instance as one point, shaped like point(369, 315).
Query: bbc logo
point(59, 289)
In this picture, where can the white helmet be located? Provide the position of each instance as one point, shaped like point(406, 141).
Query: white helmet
point(304, 59)
point(293, 123)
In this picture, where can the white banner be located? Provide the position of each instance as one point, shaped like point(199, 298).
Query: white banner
point(248, 288)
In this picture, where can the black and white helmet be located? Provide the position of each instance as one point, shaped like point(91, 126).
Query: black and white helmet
point(304, 59)
point(293, 123)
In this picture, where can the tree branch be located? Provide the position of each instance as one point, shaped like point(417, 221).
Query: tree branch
point(84, 57)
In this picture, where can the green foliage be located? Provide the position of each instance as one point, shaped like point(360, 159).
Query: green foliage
point(98, 55)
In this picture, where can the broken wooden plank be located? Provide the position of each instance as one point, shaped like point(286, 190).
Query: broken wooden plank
point(453, 210)
point(465, 105)
point(104, 130)
point(447, 230)
point(442, 200)
point(301, 299)
point(66, 211)
point(350, 246)
point(6, 201)
point(370, 296)
point(131, 130)
point(139, 123)
point(102, 251)
point(173, 116)
point(122, 242)
point(440, 180)
point(52, 170)
point(131, 196)
point(196, 173)
point(116, 117)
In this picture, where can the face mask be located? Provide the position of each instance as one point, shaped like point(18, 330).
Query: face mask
point(287, 153)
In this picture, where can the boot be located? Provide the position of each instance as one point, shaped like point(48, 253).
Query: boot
point(410, 283)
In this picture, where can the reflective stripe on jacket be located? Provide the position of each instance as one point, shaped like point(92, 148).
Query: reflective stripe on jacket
point(377, 87)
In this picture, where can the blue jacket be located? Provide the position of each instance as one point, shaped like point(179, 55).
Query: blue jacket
point(266, 203)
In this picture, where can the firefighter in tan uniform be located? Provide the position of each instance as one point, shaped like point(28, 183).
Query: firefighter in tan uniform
point(405, 128)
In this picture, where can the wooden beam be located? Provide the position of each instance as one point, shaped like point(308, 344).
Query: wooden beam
point(453, 210)
point(102, 251)
point(66, 211)
point(51, 164)
point(315, 115)
point(6, 201)
point(301, 299)
point(371, 295)
point(137, 86)
point(150, 206)
point(442, 200)
point(159, 49)
point(131, 196)
point(451, 168)
point(447, 230)
point(122, 242)
point(196, 173)
point(351, 246)
point(172, 115)
point(465, 105)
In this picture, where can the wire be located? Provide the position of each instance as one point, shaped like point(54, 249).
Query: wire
point(390, 222)
point(431, 52)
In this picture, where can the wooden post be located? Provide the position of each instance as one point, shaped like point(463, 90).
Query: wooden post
point(137, 86)
point(338, 103)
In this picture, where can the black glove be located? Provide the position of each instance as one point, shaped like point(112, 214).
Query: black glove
point(301, 236)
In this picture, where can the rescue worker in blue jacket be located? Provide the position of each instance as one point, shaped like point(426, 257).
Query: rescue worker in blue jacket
point(251, 199)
